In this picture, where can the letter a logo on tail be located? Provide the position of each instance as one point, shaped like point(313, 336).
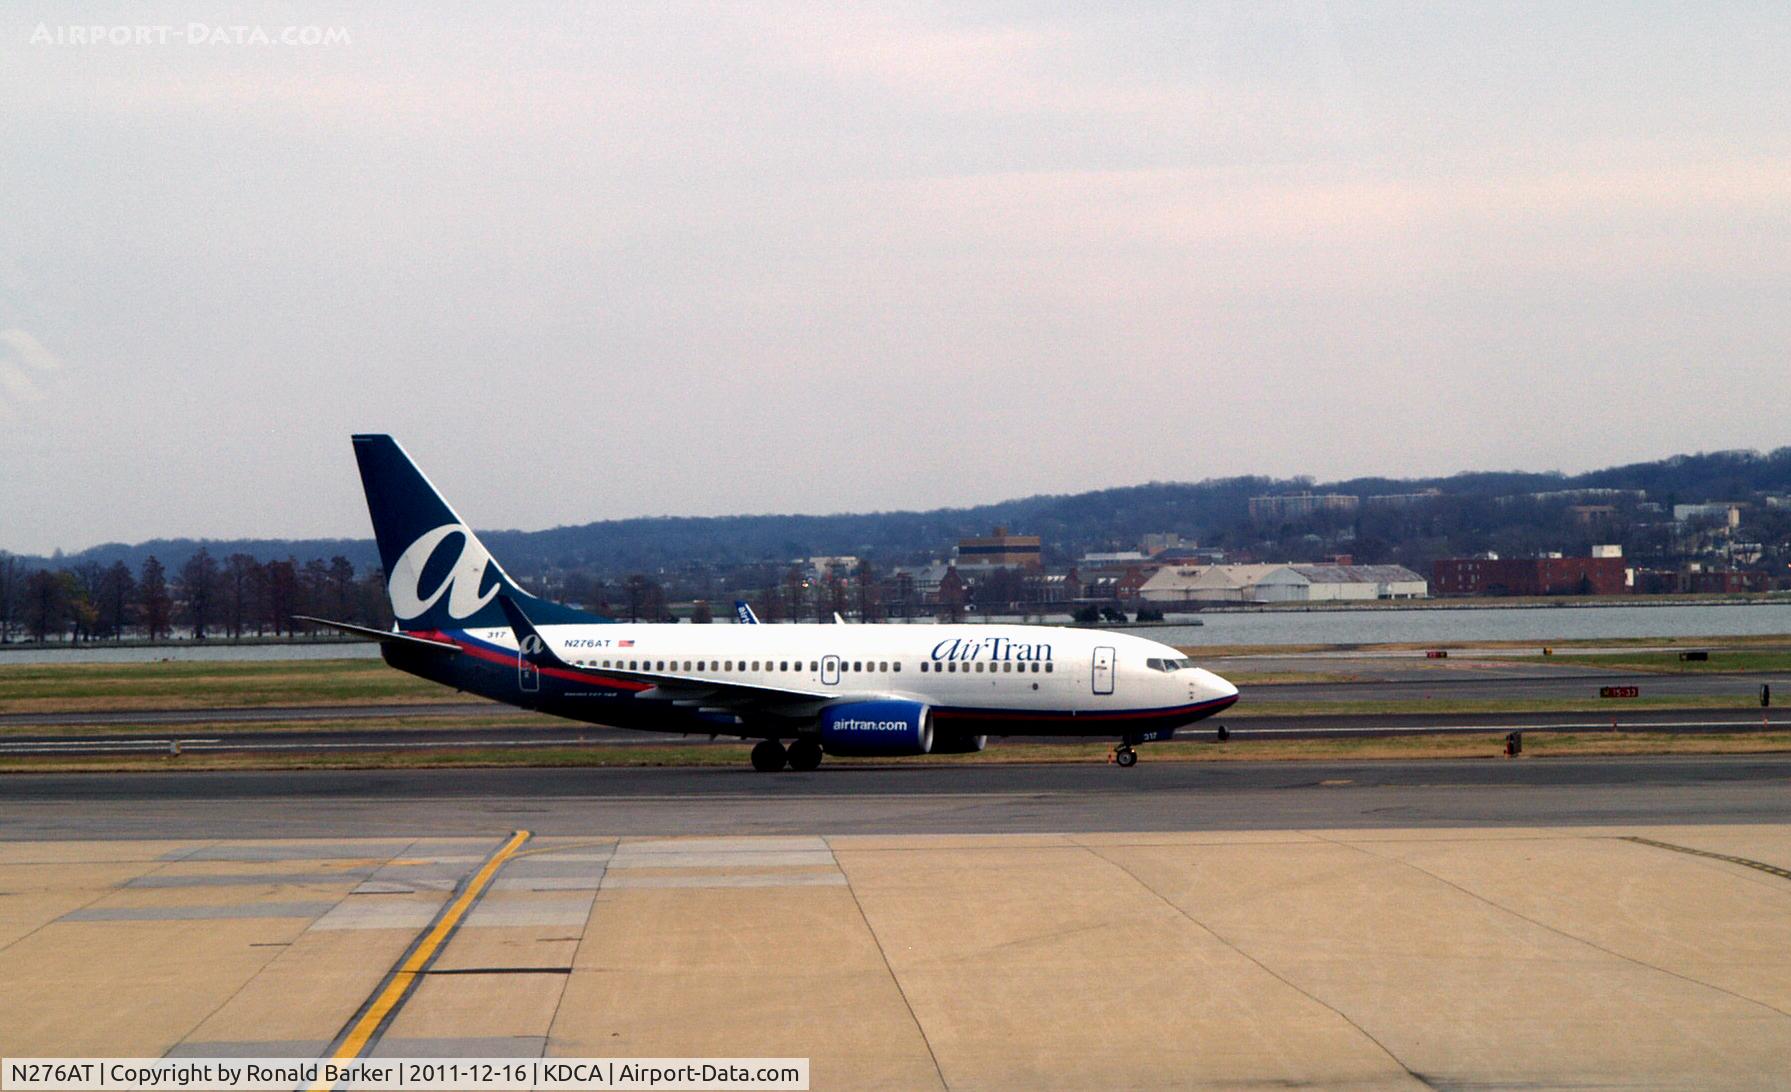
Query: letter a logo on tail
point(433, 583)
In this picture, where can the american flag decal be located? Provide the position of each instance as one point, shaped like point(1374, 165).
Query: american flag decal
point(624, 644)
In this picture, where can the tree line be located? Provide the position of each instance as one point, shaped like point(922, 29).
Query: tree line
point(207, 598)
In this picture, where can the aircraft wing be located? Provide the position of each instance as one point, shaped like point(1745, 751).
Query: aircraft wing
point(678, 688)
point(384, 636)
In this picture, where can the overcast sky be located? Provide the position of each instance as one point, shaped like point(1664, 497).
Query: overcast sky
point(591, 261)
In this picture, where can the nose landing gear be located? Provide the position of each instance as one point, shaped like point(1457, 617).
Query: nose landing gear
point(1124, 756)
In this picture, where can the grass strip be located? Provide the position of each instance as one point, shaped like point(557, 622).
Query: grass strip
point(1489, 745)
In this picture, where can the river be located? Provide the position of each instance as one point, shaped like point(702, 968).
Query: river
point(1440, 625)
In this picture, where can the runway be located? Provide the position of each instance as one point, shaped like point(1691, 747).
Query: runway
point(903, 799)
point(205, 736)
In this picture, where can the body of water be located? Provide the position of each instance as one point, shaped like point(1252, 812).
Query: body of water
point(1457, 625)
point(1272, 627)
point(139, 654)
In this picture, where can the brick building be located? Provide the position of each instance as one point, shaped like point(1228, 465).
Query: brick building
point(1529, 576)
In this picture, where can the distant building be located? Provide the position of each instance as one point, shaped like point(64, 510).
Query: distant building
point(1190, 555)
point(1115, 557)
point(1597, 495)
point(1001, 550)
point(1723, 582)
point(826, 568)
point(1530, 576)
point(1727, 515)
point(1153, 544)
point(1295, 505)
point(922, 580)
point(1272, 583)
point(1335, 582)
point(1401, 500)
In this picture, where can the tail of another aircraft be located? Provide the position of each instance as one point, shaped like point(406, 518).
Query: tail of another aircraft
point(438, 574)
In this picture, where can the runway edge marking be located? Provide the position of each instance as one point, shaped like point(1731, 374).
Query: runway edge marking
point(1761, 866)
point(382, 1007)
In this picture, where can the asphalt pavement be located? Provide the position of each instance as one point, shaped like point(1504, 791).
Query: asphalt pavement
point(902, 798)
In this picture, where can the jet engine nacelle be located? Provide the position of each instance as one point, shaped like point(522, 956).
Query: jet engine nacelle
point(957, 743)
point(877, 728)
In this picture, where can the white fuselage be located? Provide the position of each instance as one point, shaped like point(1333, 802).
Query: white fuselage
point(969, 667)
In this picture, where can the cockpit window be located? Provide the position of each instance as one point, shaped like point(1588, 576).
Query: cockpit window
point(1168, 665)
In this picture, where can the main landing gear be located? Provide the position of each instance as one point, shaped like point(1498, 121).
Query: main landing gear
point(805, 755)
point(1125, 756)
point(770, 756)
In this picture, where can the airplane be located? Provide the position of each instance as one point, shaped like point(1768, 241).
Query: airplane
point(854, 690)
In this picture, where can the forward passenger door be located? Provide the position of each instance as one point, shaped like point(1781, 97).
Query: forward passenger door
point(1103, 670)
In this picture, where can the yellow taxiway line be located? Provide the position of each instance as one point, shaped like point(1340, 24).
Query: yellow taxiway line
point(404, 977)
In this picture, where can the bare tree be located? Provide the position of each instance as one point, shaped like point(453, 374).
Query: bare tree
point(112, 603)
point(153, 598)
point(341, 585)
point(282, 595)
point(869, 609)
point(198, 588)
point(10, 593)
point(239, 586)
point(46, 604)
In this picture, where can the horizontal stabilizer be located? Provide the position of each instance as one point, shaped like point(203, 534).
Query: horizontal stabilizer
point(384, 636)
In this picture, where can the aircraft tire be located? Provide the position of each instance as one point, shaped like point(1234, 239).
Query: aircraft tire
point(805, 755)
point(768, 756)
point(1126, 757)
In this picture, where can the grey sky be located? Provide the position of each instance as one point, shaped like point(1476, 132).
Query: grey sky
point(596, 261)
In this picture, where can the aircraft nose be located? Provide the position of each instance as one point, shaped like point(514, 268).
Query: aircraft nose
point(1220, 687)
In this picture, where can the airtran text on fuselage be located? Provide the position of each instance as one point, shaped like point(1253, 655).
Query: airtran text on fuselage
point(990, 650)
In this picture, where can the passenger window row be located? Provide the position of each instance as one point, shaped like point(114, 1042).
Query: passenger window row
point(883, 666)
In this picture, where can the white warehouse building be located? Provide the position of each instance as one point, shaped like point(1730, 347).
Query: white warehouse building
point(1282, 584)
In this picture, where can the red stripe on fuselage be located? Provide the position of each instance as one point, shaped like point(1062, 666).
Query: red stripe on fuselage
point(501, 656)
point(1199, 708)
